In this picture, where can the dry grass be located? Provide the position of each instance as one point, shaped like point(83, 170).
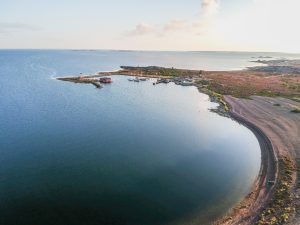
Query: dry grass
point(244, 84)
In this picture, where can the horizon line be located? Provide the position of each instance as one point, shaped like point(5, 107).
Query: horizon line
point(145, 50)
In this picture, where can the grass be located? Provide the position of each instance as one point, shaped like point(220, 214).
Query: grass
point(296, 99)
point(296, 110)
point(220, 99)
point(203, 82)
point(170, 72)
point(280, 207)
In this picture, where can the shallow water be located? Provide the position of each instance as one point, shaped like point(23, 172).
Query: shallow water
point(130, 153)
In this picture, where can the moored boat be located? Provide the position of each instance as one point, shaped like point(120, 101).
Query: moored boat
point(105, 80)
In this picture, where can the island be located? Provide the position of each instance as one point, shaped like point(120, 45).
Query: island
point(266, 99)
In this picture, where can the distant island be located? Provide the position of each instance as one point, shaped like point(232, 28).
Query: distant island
point(266, 99)
point(282, 66)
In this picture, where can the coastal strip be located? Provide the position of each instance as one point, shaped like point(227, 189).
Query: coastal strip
point(273, 199)
point(268, 104)
point(250, 208)
point(82, 80)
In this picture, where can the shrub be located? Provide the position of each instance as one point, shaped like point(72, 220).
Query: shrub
point(296, 110)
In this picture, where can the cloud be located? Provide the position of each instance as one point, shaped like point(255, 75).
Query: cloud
point(159, 30)
point(175, 25)
point(13, 27)
point(209, 8)
point(142, 29)
point(208, 15)
point(195, 26)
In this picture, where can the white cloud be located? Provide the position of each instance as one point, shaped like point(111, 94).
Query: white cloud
point(142, 29)
point(209, 8)
point(175, 25)
point(199, 24)
point(208, 17)
point(160, 30)
point(259, 25)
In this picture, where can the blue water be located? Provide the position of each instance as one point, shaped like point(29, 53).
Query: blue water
point(130, 153)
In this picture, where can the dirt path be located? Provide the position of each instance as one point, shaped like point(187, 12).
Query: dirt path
point(278, 132)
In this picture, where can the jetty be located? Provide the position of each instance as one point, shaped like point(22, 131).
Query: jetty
point(97, 82)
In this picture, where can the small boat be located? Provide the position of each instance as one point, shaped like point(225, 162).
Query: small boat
point(105, 80)
point(130, 79)
point(163, 80)
point(136, 80)
point(186, 83)
point(143, 79)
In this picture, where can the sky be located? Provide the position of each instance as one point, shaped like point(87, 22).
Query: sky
point(173, 25)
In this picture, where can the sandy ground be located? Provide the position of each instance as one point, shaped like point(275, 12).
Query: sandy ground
point(274, 123)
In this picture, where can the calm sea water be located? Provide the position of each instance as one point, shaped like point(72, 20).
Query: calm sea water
point(130, 153)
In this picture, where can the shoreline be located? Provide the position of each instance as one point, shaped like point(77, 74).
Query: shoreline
point(273, 198)
point(250, 207)
point(254, 207)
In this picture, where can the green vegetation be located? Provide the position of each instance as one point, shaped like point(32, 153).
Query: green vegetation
point(203, 82)
point(158, 71)
point(279, 208)
point(269, 93)
point(220, 99)
point(296, 110)
point(170, 72)
point(234, 91)
point(297, 99)
point(293, 86)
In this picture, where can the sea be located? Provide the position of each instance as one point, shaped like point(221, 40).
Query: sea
point(127, 154)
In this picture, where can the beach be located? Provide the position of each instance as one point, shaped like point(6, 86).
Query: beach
point(277, 130)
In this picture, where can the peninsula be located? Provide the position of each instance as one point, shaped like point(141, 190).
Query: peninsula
point(265, 99)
